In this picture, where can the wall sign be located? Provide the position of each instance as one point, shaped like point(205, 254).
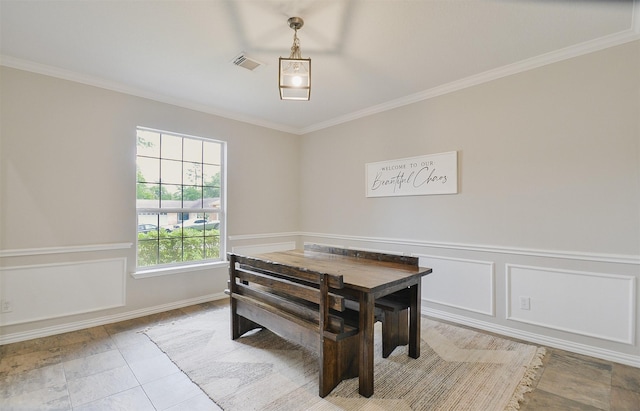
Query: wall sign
point(414, 176)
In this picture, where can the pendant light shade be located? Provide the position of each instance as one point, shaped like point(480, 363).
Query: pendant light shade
point(294, 77)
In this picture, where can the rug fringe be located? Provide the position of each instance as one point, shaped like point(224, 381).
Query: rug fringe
point(528, 378)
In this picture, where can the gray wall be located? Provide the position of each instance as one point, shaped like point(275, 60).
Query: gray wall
point(548, 205)
point(68, 197)
point(548, 159)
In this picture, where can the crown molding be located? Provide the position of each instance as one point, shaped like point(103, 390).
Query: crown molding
point(26, 65)
point(632, 34)
point(494, 74)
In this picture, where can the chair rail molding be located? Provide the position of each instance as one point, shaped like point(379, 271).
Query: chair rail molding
point(568, 255)
point(23, 252)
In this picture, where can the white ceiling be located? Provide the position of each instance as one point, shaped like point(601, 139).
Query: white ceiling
point(367, 56)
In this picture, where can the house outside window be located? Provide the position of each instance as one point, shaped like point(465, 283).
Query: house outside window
point(179, 199)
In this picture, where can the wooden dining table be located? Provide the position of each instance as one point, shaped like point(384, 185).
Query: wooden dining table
point(367, 277)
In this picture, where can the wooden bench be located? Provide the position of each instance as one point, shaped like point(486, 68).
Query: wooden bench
point(391, 310)
point(394, 315)
point(298, 305)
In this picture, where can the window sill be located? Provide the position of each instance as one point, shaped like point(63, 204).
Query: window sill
point(178, 270)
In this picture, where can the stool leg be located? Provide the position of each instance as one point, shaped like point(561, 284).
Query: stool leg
point(403, 327)
point(395, 330)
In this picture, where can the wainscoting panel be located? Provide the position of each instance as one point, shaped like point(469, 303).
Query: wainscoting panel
point(592, 304)
point(459, 283)
point(39, 292)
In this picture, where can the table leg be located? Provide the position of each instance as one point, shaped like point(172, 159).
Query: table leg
point(414, 319)
point(365, 372)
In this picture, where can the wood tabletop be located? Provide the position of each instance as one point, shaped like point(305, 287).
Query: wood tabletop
point(362, 274)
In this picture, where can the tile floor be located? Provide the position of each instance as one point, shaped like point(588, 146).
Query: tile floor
point(111, 367)
point(115, 367)
point(569, 381)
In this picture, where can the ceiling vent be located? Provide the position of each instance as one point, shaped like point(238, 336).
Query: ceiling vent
point(242, 60)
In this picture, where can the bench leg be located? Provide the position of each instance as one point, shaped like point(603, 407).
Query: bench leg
point(240, 324)
point(338, 361)
point(395, 330)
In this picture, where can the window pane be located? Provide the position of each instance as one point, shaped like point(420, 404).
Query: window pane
point(212, 230)
point(153, 225)
point(170, 250)
point(192, 150)
point(210, 217)
point(211, 175)
point(195, 225)
point(192, 197)
point(148, 223)
point(148, 170)
point(147, 195)
point(147, 252)
point(171, 171)
point(211, 152)
point(171, 147)
point(194, 204)
point(192, 174)
point(213, 225)
point(171, 196)
point(212, 247)
point(193, 228)
point(193, 248)
point(211, 193)
point(148, 143)
point(209, 202)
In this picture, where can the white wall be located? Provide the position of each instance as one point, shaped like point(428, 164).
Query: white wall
point(548, 205)
point(67, 200)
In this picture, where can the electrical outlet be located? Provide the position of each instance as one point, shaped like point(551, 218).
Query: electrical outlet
point(7, 306)
point(525, 303)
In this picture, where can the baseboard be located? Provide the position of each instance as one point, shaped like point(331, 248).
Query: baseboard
point(109, 319)
point(608, 355)
point(627, 359)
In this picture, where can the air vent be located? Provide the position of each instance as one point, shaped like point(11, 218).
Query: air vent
point(242, 60)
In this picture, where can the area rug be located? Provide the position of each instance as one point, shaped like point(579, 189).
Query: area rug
point(458, 369)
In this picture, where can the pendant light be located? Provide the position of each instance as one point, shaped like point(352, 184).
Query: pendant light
point(294, 77)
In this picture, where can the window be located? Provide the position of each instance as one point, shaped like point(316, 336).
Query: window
point(179, 199)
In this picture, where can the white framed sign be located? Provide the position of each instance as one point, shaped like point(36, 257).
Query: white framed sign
point(413, 176)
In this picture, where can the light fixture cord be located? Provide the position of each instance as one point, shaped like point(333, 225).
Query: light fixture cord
point(295, 48)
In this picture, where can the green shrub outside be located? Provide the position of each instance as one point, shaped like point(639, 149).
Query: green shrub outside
point(181, 245)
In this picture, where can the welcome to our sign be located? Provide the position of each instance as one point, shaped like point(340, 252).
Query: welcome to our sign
point(424, 175)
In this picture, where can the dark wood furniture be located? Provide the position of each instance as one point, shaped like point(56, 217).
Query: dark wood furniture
point(393, 312)
point(367, 277)
point(296, 304)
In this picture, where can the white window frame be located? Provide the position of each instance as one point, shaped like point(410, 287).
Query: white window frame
point(186, 266)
